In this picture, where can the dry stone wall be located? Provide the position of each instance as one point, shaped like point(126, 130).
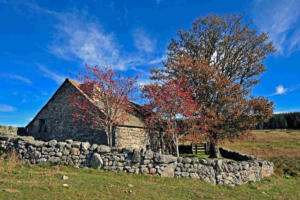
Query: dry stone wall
point(83, 154)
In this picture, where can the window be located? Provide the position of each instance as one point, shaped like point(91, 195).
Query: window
point(43, 126)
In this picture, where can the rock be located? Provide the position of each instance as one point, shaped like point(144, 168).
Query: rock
point(103, 149)
point(61, 145)
point(52, 143)
point(41, 160)
point(168, 171)
point(64, 177)
point(130, 185)
point(144, 171)
point(152, 171)
point(76, 144)
point(75, 151)
point(194, 175)
point(165, 159)
point(136, 157)
point(96, 161)
point(37, 143)
point(93, 147)
point(149, 155)
point(65, 185)
point(69, 141)
point(85, 146)
point(187, 160)
point(59, 154)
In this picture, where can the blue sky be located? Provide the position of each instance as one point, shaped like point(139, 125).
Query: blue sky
point(42, 42)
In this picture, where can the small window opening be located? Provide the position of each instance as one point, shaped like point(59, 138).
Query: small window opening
point(42, 125)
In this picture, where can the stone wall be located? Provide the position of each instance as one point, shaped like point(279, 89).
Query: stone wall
point(83, 154)
point(131, 137)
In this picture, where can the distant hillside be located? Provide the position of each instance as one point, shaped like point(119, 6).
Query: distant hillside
point(282, 121)
point(8, 130)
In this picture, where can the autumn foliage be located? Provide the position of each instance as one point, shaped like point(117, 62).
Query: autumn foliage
point(171, 109)
point(220, 58)
point(105, 101)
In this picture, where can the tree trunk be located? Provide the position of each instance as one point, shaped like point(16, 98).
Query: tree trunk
point(214, 151)
point(177, 147)
point(109, 136)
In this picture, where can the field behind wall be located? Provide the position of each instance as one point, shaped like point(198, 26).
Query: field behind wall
point(45, 182)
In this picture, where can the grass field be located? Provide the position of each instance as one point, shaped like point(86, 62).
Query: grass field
point(45, 182)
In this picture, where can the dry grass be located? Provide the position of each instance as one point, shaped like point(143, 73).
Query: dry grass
point(269, 144)
point(279, 146)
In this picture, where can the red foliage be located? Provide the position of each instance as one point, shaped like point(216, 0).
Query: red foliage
point(172, 108)
point(105, 100)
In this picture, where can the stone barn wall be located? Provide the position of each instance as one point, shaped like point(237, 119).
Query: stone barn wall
point(83, 154)
point(55, 121)
point(131, 137)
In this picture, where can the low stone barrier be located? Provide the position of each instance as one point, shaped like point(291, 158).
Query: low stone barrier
point(83, 154)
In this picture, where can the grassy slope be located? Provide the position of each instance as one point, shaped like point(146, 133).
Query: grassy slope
point(44, 182)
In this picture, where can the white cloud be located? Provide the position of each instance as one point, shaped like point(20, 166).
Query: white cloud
point(6, 108)
point(80, 36)
point(280, 90)
point(50, 74)
point(21, 78)
point(88, 42)
point(157, 60)
point(279, 19)
point(143, 42)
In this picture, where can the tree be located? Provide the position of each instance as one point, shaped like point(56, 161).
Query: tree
point(221, 59)
point(106, 99)
point(170, 107)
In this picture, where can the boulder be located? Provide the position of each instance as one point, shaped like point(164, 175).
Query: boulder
point(187, 160)
point(96, 161)
point(149, 155)
point(165, 159)
point(103, 149)
point(52, 143)
point(136, 157)
point(85, 146)
point(168, 171)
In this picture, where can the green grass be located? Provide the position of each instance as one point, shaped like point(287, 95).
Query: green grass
point(45, 182)
point(198, 155)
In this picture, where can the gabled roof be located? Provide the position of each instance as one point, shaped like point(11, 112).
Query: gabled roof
point(136, 109)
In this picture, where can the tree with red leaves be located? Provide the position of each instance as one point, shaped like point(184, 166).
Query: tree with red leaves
point(171, 107)
point(221, 58)
point(105, 101)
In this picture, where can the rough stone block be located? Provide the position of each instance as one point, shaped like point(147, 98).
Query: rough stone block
point(96, 161)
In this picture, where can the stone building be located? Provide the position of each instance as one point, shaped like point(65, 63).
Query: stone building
point(55, 121)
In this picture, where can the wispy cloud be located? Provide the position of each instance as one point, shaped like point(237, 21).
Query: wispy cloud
point(50, 74)
point(143, 42)
point(80, 36)
point(280, 89)
point(20, 78)
point(158, 1)
point(280, 19)
point(87, 41)
point(6, 108)
point(157, 60)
